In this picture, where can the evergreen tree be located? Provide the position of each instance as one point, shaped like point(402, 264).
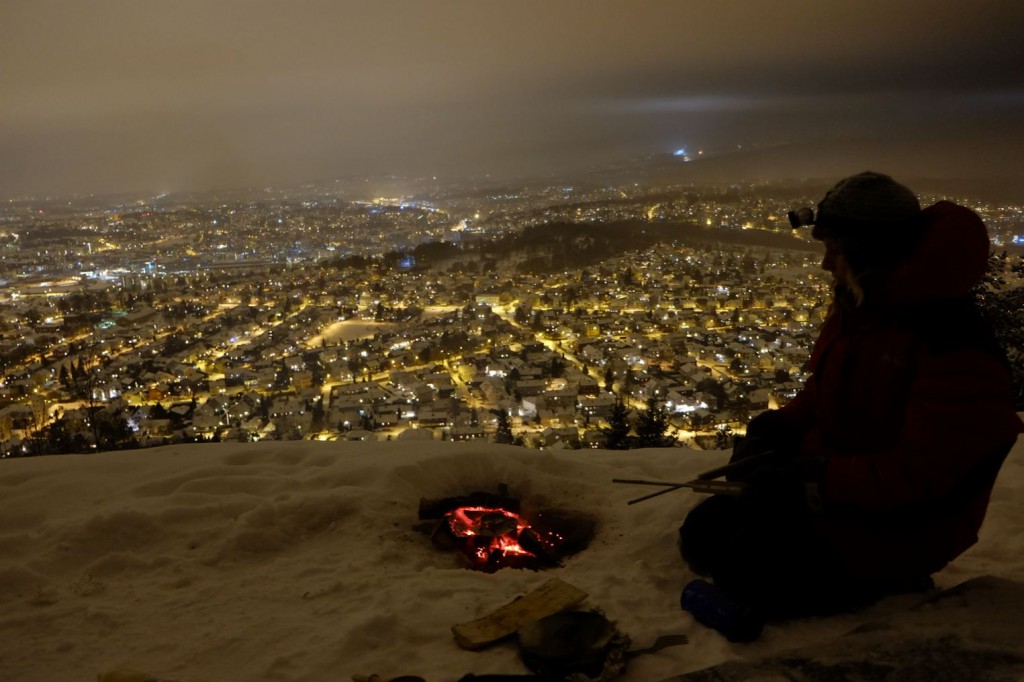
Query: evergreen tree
point(725, 438)
point(112, 431)
point(283, 377)
point(617, 433)
point(61, 441)
point(504, 433)
point(317, 424)
point(521, 316)
point(652, 426)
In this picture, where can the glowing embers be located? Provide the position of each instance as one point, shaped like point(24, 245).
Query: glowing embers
point(493, 531)
point(498, 534)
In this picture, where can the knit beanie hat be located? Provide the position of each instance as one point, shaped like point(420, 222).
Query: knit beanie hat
point(875, 220)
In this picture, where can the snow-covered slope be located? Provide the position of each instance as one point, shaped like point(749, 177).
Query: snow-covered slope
point(299, 561)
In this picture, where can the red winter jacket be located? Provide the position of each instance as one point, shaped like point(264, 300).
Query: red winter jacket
point(910, 410)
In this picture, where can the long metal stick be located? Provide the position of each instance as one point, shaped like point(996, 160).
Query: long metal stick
point(738, 464)
point(704, 482)
point(710, 487)
point(636, 481)
point(660, 492)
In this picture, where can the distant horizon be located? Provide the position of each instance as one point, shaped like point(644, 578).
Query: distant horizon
point(648, 171)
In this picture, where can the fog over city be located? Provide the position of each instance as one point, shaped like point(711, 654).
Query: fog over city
point(112, 96)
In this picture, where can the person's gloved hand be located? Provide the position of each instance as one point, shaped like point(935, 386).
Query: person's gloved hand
point(769, 425)
point(770, 462)
point(756, 461)
point(749, 446)
point(755, 457)
point(784, 479)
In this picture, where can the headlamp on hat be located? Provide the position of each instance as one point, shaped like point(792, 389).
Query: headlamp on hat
point(875, 220)
point(801, 217)
point(868, 206)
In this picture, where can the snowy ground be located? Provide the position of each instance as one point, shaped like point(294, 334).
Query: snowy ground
point(298, 561)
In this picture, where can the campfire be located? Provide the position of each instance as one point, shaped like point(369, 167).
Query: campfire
point(492, 531)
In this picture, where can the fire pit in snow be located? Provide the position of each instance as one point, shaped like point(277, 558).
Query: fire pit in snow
point(492, 531)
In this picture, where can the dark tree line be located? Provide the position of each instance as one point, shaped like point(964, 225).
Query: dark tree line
point(1001, 299)
point(648, 428)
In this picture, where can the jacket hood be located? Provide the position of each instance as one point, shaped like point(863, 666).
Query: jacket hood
point(950, 260)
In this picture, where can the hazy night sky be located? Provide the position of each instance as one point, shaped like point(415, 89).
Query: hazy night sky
point(103, 96)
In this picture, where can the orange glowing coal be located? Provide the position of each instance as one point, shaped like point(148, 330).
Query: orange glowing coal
point(498, 534)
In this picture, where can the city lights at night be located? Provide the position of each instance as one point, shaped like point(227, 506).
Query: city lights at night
point(276, 277)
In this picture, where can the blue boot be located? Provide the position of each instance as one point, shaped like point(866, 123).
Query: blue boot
point(713, 608)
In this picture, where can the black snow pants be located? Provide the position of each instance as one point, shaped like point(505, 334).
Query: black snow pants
point(768, 554)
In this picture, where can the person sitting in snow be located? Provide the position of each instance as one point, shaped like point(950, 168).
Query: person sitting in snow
point(879, 472)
